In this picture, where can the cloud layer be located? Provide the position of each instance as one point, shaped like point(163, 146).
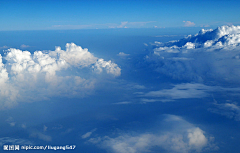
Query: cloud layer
point(208, 55)
point(180, 136)
point(51, 73)
point(185, 91)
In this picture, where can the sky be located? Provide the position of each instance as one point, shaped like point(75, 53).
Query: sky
point(120, 76)
point(105, 14)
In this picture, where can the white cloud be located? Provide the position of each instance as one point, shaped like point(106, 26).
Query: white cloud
point(123, 103)
point(185, 90)
point(196, 138)
point(45, 128)
point(41, 136)
point(69, 130)
point(110, 67)
point(4, 47)
point(138, 86)
point(14, 141)
point(50, 73)
point(24, 126)
point(180, 136)
point(144, 100)
point(24, 46)
point(123, 24)
point(229, 109)
point(126, 24)
point(207, 55)
point(122, 54)
point(11, 121)
point(73, 26)
point(75, 55)
point(88, 134)
point(189, 24)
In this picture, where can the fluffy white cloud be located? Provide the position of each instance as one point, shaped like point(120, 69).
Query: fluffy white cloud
point(210, 55)
point(110, 67)
point(181, 136)
point(51, 73)
point(3, 72)
point(196, 138)
point(189, 24)
point(75, 55)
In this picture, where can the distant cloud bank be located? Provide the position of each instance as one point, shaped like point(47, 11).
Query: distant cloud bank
point(207, 55)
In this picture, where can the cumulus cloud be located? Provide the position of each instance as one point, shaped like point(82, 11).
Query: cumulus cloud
point(189, 24)
point(180, 136)
point(110, 67)
point(49, 73)
point(210, 55)
point(75, 55)
point(196, 138)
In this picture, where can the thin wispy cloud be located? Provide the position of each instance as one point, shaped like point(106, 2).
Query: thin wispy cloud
point(122, 54)
point(185, 91)
point(4, 47)
point(88, 134)
point(228, 109)
point(123, 103)
point(123, 24)
point(72, 26)
point(24, 46)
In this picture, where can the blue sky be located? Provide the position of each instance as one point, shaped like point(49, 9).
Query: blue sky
point(120, 76)
point(62, 14)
